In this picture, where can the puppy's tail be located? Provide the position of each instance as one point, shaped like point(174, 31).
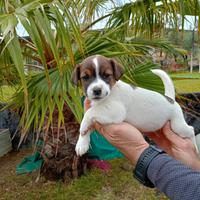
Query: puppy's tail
point(168, 84)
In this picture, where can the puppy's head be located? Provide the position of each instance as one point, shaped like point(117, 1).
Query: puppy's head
point(97, 75)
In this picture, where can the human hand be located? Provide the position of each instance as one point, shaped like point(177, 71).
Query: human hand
point(124, 137)
point(181, 149)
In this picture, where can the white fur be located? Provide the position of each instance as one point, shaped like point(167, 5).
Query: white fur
point(95, 61)
point(145, 109)
point(168, 84)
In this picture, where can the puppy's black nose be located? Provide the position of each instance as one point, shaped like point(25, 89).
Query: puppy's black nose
point(97, 91)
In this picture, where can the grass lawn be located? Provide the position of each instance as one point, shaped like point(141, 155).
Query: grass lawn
point(187, 85)
point(116, 184)
point(186, 82)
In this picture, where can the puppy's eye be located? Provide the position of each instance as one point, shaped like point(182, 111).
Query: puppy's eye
point(106, 76)
point(85, 77)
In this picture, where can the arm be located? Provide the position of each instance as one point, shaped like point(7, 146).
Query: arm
point(181, 149)
point(176, 180)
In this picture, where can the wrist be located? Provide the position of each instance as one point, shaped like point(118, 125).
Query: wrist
point(135, 153)
point(141, 168)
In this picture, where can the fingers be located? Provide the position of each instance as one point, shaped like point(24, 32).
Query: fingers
point(107, 130)
point(86, 104)
point(166, 128)
point(160, 139)
point(169, 134)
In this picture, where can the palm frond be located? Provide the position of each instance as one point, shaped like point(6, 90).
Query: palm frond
point(152, 16)
point(58, 41)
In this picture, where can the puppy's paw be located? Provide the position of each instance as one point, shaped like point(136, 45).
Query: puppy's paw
point(82, 145)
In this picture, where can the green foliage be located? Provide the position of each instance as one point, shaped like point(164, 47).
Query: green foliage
point(59, 38)
point(183, 40)
point(6, 93)
point(149, 17)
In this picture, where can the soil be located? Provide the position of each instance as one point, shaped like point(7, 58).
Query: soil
point(9, 181)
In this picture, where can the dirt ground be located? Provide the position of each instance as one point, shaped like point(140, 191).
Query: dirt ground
point(11, 185)
point(9, 161)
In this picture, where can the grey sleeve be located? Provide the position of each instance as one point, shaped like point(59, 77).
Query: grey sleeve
point(176, 180)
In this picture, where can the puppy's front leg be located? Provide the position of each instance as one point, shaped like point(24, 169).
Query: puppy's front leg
point(100, 114)
point(83, 144)
point(104, 115)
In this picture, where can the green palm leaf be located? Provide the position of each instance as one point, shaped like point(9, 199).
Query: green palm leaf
point(59, 39)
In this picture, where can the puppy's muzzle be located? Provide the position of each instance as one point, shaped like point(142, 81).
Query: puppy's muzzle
point(97, 91)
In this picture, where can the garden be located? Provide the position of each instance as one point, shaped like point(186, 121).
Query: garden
point(41, 43)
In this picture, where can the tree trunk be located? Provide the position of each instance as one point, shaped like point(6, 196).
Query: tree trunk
point(58, 152)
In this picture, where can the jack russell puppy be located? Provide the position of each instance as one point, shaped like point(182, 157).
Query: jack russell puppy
point(114, 101)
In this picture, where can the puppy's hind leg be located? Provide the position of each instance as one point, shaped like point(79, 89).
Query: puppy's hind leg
point(179, 126)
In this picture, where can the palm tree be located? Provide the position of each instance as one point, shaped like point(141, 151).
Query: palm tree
point(60, 36)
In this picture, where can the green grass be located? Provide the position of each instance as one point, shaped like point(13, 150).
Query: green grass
point(186, 82)
point(115, 184)
point(187, 85)
point(186, 75)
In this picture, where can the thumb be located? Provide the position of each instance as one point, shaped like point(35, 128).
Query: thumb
point(86, 104)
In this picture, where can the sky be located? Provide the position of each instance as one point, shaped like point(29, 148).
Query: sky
point(22, 32)
point(189, 22)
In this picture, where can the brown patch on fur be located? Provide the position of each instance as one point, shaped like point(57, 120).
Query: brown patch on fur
point(117, 69)
point(107, 74)
point(87, 75)
point(76, 75)
point(109, 70)
point(87, 71)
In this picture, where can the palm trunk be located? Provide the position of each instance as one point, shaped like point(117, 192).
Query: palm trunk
point(60, 160)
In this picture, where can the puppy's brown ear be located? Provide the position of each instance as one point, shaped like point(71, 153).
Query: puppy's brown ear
point(117, 69)
point(76, 75)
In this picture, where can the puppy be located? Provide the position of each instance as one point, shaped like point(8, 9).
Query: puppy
point(114, 101)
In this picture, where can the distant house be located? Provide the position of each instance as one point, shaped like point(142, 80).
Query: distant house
point(169, 62)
